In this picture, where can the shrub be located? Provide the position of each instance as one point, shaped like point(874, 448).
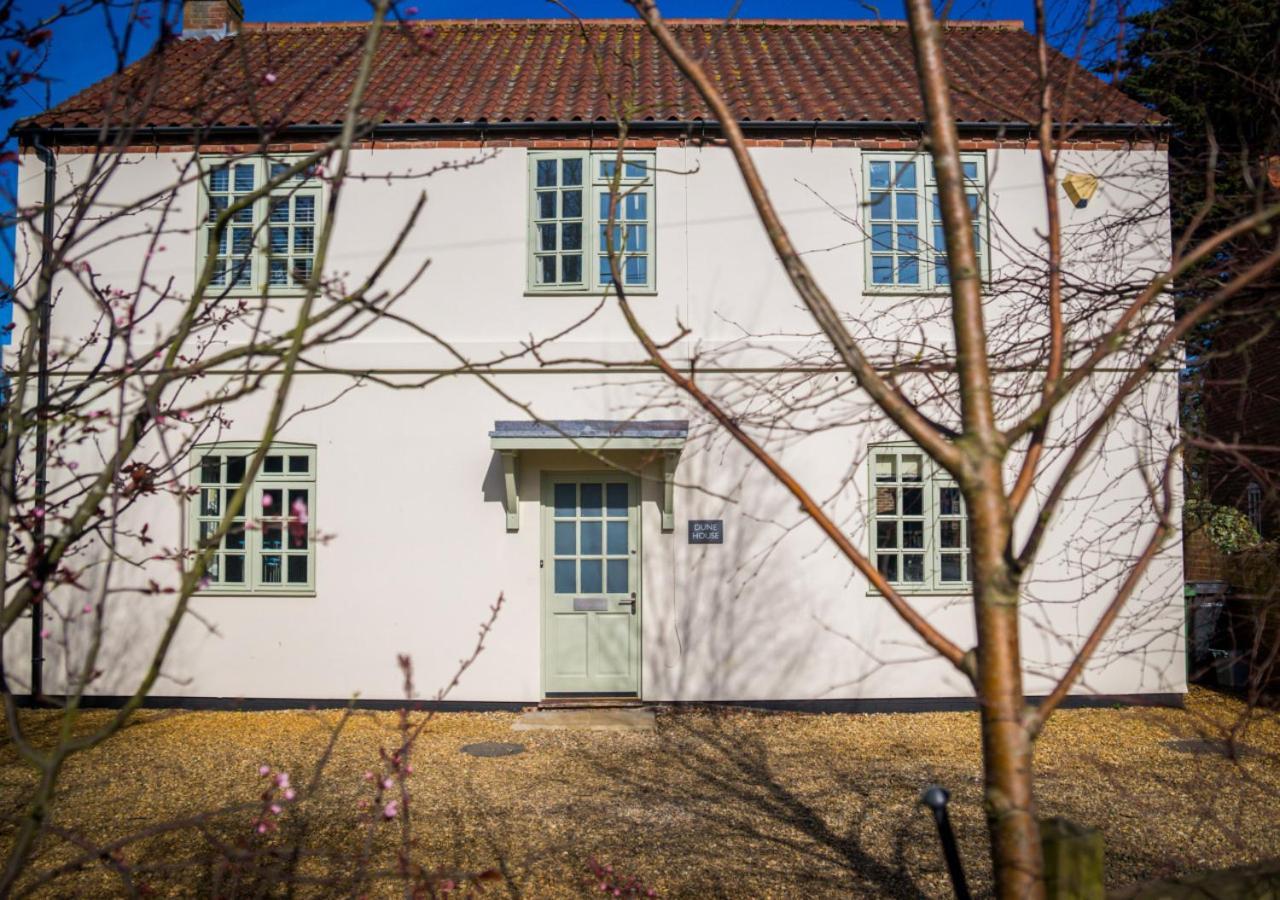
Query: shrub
point(1227, 528)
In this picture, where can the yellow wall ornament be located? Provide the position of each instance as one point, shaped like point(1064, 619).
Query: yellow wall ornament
point(1080, 188)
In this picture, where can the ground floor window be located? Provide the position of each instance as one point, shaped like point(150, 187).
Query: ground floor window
point(270, 544)
point(919, 523)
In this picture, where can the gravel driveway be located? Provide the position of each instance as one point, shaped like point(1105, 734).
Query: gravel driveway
point(713, 804)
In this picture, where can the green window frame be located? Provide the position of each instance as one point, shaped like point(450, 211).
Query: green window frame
point(905, 245)
point(919, 534)
point(570, 200)
point(270, 547)
point(269, 247)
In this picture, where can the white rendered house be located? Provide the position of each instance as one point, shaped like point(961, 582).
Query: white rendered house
point(640, 554)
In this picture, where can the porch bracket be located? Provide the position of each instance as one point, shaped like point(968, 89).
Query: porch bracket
point(510, 483)
point(670, 458)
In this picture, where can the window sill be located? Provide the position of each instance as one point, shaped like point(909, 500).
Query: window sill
point(278, 293)
point(907, 291)
point(925, 592)
point(216, 592)
point(939, 291)
point(631, 292)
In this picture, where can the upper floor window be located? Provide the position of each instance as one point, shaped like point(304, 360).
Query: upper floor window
point(571, 201)
point(270, 546)
point(907, 249)
point(268, 246)
point(919, 523)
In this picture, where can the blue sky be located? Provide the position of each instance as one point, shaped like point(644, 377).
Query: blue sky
point(81, 51)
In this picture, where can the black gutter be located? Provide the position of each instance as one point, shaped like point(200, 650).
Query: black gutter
point(43, 310)
point(481, 129)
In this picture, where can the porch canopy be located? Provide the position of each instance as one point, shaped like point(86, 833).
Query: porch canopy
point(510, 437)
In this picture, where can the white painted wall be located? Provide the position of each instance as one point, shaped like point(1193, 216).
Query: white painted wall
point(412, 492)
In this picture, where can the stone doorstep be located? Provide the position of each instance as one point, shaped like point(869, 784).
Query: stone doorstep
point(603, 719)
point(589, 702)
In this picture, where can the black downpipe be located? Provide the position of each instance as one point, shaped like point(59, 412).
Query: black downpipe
point(43, 314)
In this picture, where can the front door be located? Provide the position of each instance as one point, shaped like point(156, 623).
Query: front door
point(590, 585)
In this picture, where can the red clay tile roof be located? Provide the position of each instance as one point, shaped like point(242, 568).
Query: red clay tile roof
point(542, 71)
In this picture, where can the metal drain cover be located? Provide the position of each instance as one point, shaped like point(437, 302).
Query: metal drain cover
point(493, 748)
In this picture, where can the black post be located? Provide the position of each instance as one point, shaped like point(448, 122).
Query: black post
point(43, 304)
point(935, 797)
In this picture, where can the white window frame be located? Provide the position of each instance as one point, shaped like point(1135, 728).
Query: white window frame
point(263, 279)
point(255, 533)
point(637, 181)
point(930, 254)
point(933, 480)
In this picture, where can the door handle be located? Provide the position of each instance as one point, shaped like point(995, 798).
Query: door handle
point(630, 601)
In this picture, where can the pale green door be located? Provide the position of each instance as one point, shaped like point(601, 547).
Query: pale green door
point(590, 585)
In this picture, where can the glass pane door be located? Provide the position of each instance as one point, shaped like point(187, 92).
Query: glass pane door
point(591, 539)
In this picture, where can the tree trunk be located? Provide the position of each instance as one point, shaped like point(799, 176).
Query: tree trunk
point(1017, 860)
point(1016, 857)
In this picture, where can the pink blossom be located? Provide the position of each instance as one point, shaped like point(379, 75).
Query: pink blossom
point(262, 828)
point(368, 776)
point(276, 808)
point(390, 810)
point(38, 512)
point(45, 633)
point(269, 78)
point(264, 770)
point(73, 465)
point(290, 793)
point(88, 608)
point(266, 501)
point(282, 780)
point(386, 784)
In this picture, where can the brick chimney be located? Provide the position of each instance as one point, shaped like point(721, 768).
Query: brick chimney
point(211, 18)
